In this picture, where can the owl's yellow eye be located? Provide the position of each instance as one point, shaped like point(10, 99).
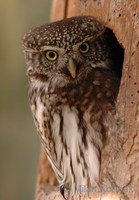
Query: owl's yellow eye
point(51, 55)
point(84, 48)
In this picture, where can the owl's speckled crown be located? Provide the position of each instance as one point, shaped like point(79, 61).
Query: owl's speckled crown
point(59, 33)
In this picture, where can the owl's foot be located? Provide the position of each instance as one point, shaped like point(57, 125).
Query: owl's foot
point(62, 191)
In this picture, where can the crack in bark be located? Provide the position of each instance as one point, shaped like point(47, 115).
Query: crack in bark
point(114, 185)
point(133, 143)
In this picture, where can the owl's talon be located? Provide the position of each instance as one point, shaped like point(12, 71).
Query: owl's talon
point(62, 191)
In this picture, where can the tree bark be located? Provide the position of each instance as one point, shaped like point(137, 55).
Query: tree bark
point(120, 160)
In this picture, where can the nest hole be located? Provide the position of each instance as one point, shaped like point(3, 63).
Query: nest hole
point(117, 53)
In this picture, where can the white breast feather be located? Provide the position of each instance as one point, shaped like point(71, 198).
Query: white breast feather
point(72, 135)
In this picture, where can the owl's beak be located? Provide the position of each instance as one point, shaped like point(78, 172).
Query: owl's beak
point(72, 67)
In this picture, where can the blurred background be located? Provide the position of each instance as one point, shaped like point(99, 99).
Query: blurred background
point(19, 142)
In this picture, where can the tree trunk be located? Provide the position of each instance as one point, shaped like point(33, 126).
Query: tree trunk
point(120, 160)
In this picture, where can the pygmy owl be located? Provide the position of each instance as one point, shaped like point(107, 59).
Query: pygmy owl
point(72, 91)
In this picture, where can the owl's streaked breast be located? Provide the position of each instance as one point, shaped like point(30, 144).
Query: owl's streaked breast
point(70, 121)
point(70, 149)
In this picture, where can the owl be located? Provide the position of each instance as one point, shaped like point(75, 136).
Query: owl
point(73, 87)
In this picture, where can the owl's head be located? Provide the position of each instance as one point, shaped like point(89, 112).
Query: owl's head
point(66, 51)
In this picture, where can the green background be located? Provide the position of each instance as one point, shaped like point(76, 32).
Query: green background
point(19, 142)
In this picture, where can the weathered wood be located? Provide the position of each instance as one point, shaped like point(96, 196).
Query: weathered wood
point(59, 9)
point(45, 173)
point(120, 170)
